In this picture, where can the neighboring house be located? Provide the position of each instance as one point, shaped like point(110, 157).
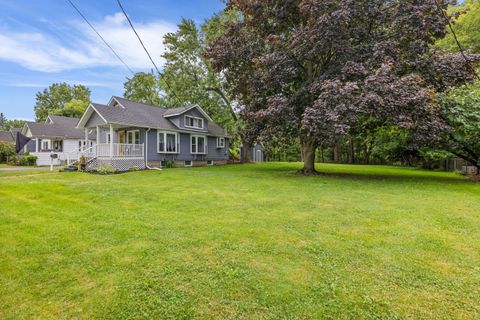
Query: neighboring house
point(135, 134)
point(7, 136)
point(59, 136)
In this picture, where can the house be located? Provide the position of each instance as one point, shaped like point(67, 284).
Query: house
point(145, 136)
point(58, 136)
point(7, 136)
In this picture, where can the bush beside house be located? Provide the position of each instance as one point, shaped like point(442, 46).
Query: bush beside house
point(7, 150)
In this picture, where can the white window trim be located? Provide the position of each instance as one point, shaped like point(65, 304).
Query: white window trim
point(164, 133)
point(211, 162)
point(187, 165)
point(192, 127)
point(218, 142)
point(133, 136)
point(205, 146)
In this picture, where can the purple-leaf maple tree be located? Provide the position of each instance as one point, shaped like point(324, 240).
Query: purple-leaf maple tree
point(312, 69)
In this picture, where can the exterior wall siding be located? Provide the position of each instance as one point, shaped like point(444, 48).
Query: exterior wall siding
point(213, 153)
point(194, 113)
point(95, 120)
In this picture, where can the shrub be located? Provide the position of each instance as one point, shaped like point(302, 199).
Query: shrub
point(134, 168)
point(105, 170)
point(169, 164)
point(7, 150)
point(23, 160)
point(28, 160)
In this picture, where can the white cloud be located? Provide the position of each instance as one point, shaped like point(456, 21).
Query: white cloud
point(42, 52)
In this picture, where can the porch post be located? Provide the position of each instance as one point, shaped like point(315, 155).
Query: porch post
point(111, 141)
point(86, 138)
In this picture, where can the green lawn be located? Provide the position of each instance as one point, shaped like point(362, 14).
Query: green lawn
point(241, 242)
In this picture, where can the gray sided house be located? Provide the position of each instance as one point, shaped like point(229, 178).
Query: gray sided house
point(58, 136)
point(136, 134)
point(7, 136)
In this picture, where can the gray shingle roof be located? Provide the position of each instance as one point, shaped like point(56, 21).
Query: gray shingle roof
point(6, 136)
point(143, 115)
point(62, 127)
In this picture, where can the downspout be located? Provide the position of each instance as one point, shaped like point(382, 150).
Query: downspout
point(146, 151)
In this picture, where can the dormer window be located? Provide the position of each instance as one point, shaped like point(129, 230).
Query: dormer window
point(193, 122)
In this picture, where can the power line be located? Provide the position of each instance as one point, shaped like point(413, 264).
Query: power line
point(104, 41)
point(148, 54)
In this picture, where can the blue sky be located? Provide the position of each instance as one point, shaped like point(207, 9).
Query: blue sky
point(46, 41)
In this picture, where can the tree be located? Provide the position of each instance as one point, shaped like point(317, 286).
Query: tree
point(74, 109)
point(466, 27)
point(311, 69)
point(460, 108)
point(188, 78)
point(6, 124)
point(144, 88)
point(3, 120)
point(54, 98)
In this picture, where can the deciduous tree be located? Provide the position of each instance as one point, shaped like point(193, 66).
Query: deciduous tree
point(311, 69)
point(54, 98)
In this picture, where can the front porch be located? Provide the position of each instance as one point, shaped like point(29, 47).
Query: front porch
point(117, 146)
point(121, 156)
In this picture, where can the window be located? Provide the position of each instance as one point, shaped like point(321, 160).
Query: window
point(209, 162)
point(193, 122)
point(188, 163)
point(198, 145)
point(58, 145)
point(109, 138)
point(45, 145)
point(167, 142)
point(133, 137)
point(220, 142)
point(82, 145)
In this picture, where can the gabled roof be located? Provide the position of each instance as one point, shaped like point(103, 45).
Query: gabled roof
point(58, 127)
point(178, 111)
point(121, 111)
point(6, 136)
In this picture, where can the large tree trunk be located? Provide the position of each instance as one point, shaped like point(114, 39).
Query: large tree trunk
point(337, 152)
point(308, 152)
point(246, 156)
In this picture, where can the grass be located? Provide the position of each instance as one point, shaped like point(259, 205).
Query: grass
point(241, 242)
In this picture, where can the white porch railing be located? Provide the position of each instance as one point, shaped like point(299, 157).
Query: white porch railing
point(120, 150)
point(108, 150)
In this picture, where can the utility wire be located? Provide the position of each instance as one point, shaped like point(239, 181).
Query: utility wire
point(148, 54)
point(104, 41)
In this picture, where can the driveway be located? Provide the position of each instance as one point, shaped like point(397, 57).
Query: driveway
point(13, 169)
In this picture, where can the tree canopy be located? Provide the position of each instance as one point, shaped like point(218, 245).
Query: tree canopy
point(53, 100)
point(144, 88)
point(466, 26)
point(315, 69)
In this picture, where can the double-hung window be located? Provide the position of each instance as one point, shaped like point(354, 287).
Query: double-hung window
point(133, 137)
point(220, 142)
point(198, 144)
point(167, 142)
point(193, 122)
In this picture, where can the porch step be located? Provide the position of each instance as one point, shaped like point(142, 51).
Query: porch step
point(69, 169)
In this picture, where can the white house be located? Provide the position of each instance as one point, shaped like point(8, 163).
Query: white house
point(58, 136)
